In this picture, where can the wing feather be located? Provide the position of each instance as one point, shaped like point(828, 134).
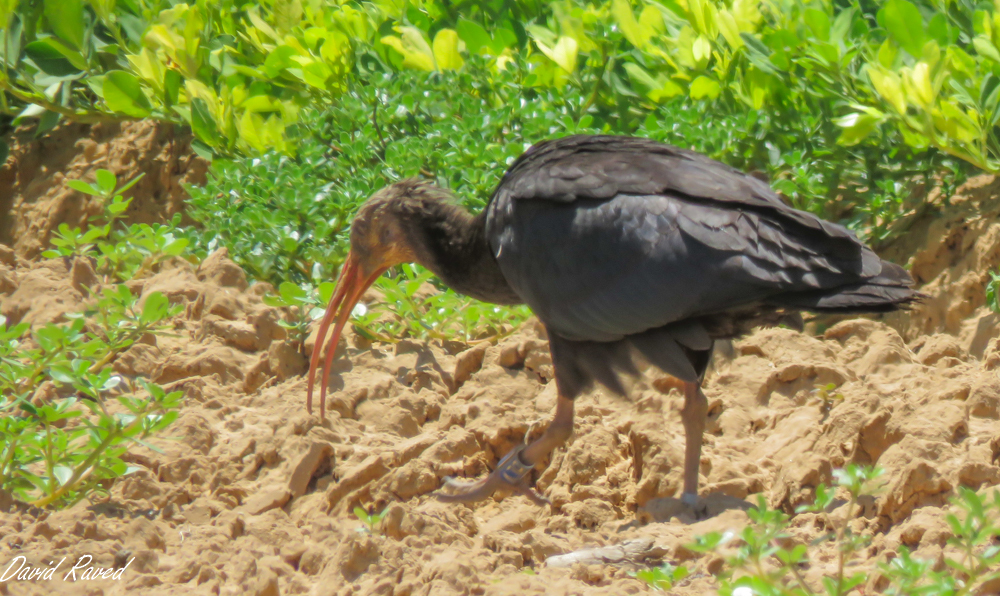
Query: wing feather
point(606, 237)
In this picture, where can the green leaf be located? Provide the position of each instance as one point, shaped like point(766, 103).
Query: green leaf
point(819, 23)
point(106, 181)
point(46, 122)
point(63, 474)
point(564, 53)
point(475, 37)
point(904, 24)
point(758, 53)
point(446, 54)
point(889, 86)
point(985, 48)
point(621, 10)
point(154, 309)
point(286, 15)
point(202, 122)
point(703, 87)
point(7, 8)
point(123, 94)
point(171, 86)
point(84, 187)
point(66, 19)
point(46, 54)
point(857, 126)
point(413, 46)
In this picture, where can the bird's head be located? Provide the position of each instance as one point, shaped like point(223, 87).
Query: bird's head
point(379, 240)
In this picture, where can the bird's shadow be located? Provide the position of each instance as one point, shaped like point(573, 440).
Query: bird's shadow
point(665, 509)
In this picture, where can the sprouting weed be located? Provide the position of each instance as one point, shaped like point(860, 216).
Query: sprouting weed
point(992, 287)
point(120, 252)
point(827, 398)
point(369, 518)
point(661, 578)
point(303, 305)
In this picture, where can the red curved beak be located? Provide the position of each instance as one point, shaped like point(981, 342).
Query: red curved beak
point(351, 284)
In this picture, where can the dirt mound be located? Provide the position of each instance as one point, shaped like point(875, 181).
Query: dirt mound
point(251, 495)
point(950, 251)
point(34, 199)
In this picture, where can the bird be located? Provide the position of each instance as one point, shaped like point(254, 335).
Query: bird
point(627, 250)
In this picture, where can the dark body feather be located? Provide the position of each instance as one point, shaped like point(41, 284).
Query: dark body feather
point(621, 244)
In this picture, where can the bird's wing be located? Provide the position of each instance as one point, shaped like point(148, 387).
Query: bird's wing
point(604, 242)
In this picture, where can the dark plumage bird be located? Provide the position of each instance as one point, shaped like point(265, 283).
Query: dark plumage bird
point(622, 247)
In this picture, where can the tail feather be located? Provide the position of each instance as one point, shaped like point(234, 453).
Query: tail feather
point(889, 290)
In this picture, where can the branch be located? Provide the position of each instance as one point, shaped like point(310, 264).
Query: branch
point(84, 116)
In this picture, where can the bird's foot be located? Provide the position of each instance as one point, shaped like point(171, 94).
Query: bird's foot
point(511, 474)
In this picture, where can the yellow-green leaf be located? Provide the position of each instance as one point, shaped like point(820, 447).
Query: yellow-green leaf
point(563, 53)
point(261, 25)
point(414, 48)
point(889, 87)
point(747, 14)
point(446, 50)
point(65, 17)
point(985, 48)
point(701, 50)
point(704, 87)
point(123, 94)
point(7, 8)
point(857, 126)
point(287, 14)
point(917, 84)
point(730, 29)
point(651, 22)
point(655, 89)
point(621, 10)
point(887, 54)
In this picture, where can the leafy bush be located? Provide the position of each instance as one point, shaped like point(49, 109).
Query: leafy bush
point(853, 110)
point(849, 109)
point(56, 451)
point(765, 563)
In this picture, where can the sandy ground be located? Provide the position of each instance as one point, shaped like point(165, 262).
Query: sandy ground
point(254, 496)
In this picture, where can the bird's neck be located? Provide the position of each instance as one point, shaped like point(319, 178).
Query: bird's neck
point(452, 243)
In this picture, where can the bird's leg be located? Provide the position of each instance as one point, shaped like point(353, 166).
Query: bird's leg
point(694, 416)
point(512, 471)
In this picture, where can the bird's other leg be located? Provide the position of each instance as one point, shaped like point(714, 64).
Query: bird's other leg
point(694, 416)
point(512, 471)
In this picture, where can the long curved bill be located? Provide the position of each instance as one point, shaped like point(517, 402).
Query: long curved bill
point(351, 284)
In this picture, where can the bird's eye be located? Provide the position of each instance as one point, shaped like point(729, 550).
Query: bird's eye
point(385, 236)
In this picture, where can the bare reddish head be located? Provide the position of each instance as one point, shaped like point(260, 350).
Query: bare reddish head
point(378, 242)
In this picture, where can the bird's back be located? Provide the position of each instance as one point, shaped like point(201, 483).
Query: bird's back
point(619, 242)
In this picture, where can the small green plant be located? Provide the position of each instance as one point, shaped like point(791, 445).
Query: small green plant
point(439, 313)
point(769, 565)
point(827, 397)
point(64, 444)
point(661, 578)
point(120, 251)
point(59, 451)
point(766, 563)
point(369, 518)
point(975, 530)
point(303, 305)
point(403, 312)
point(992, 287)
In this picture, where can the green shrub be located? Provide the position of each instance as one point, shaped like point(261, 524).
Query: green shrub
point(56, 452)
point(763, 560)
